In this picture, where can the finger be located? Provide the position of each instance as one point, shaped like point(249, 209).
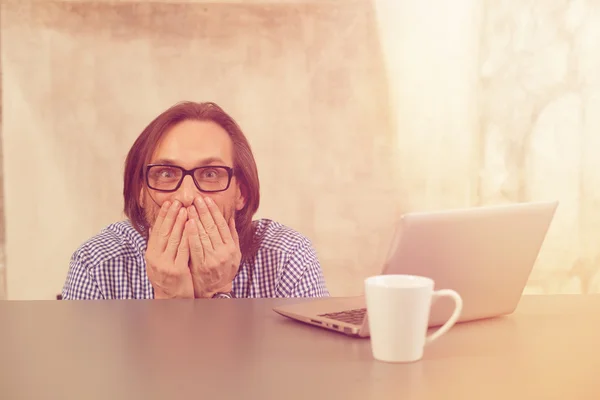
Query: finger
point(234, 232)
point(207, 221)
point(183, 249)
point(203, 235)
point(222, 225)
point(195, 245)
point(175, 237)
point(158, 222)
point(167, 225)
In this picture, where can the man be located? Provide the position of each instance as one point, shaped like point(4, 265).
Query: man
point(191, 189)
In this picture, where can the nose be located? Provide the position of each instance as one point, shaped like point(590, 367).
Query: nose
point(187, 192)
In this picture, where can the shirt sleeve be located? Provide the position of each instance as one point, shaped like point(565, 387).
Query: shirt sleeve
point(303, 274)
point(80, 284)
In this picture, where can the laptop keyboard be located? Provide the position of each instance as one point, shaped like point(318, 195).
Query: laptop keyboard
point(354, 317)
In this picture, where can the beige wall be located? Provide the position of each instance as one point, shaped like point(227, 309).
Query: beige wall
point(356, 111)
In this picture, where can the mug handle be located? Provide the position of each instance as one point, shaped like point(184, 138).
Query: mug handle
point(458, 304)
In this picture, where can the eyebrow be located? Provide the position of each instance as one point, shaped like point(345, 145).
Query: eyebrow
point(203, 162)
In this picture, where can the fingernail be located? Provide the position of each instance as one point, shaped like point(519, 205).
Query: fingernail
point(167, 204)
point(208, 201)
point(176, 204)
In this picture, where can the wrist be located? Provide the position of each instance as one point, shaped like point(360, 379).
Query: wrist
point(215, 294)
point(160, 295)
point(223, 295)
point(209, 294)
point(205, 295)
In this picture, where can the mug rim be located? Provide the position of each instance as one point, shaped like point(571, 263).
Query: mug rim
point(379, 280)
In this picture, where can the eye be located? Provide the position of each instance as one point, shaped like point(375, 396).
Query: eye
point(210, 174)
point(164, 173)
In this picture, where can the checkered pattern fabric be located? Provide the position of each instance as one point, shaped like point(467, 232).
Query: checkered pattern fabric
point(111, 265)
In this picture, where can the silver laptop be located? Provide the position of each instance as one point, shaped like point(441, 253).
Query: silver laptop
point(484, 253)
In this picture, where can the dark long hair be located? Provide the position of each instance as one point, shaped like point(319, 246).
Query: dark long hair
point(244, 165)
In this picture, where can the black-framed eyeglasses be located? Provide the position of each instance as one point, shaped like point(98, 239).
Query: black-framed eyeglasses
point(168, 178)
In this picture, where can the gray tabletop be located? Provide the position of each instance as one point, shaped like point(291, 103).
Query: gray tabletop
point(240, 348)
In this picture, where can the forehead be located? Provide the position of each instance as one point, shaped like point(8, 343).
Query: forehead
point(189, 142)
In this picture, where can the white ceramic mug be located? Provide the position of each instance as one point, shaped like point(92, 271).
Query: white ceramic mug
point(398, 308)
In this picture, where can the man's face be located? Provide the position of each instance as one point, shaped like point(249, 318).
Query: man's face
point(191, 144)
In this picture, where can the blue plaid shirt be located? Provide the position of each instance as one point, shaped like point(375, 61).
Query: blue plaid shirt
point(111, 265)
